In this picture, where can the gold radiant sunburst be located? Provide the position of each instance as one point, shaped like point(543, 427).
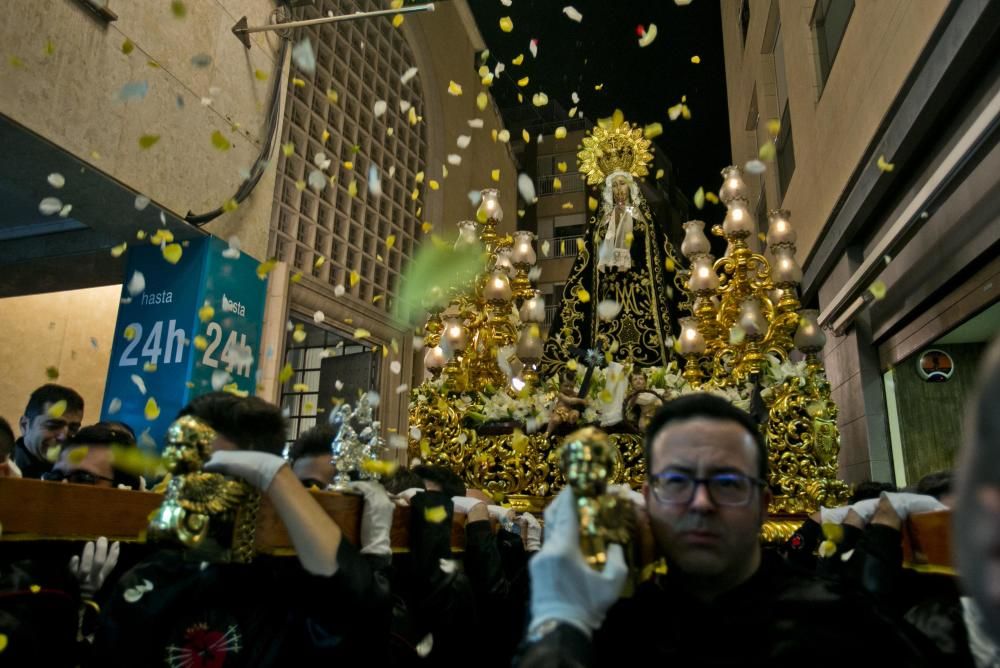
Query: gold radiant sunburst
point(614, 145)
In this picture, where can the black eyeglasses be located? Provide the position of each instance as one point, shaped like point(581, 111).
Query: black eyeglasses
point(78, 477)
point(725, 489)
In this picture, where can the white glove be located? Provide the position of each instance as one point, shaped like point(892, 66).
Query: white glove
point(626, 492)
point(257, 468)
point(94, 566)
point(833, 515)
point(865, 509)
point(906, 504)
point(376, 517)
point(563, 586)
point(463, 504)
point(501, 514)
point(531, 532)
point(408, 494)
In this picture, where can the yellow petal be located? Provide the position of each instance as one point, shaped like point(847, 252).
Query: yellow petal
point(712, 197)
point(560, 132)
point(523, 82)
point(233, 388)
point(172, 253)
point(296, 277)
point(599, 86)
point(556, 184)
point(426, 228)
point(834, 532)
point(506, 24)
point(525, 136)
point(419, 177)
point(390, 241)
point(539, 99)
point(435, 515)
point(877, 289)
point(695, 59)
point(265, 268)
point(348, 165)
point(361, 333)
point(567, 206)
point(35, 589)
point(300, 185)
point(773, 127)
point(352, 188)
point(433, 184)
point(767, 151)
point(518, 60)
point(325, 136)
point(260, 74)
point(659, 174)
point(152, 411)
point(561, 166)
point(149, 367)
point(128, 46)
point(298, 83)
point(57, 409)
point(495, 175)
point(286, 373)
point(591, 204)
point(397, 20)
point(481, 101)
point(288, 149)
point(52, 372)
point(379, 466)
point(583, 295)
point(206, 312)
point(355, 277)
point(200, 342)
point(519, 442)
point(332, 95)
point(454, 88)
point(230, 205)
point(220, 142)
point(118, 250)
point(145, 141)
point(319, 262)
point(300, 387)
point(649, 35)
point(884, 165)
point(699, 198)
point(827, 549)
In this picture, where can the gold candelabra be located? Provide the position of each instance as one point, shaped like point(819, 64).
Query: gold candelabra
point(745, 316)
point(474, 336)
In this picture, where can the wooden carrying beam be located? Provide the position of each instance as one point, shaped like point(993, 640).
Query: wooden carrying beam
point(40, 510)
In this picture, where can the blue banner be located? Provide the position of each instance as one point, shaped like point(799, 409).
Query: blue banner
point(194, 328)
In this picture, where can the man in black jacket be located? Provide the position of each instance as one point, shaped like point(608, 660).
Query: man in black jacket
point(53, 415)
point(723, 601)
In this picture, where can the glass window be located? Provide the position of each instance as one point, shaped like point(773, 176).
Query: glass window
point(829, 23)
point(785, 157)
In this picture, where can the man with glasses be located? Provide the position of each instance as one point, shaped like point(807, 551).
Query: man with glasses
point(724, 600)
point(88, 458)
point(53, 414)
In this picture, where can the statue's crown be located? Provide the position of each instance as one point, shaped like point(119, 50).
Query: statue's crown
point(614, 145)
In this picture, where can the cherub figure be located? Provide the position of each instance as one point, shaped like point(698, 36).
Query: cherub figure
point(567, 409)
point(196, 500)
point(648, 400)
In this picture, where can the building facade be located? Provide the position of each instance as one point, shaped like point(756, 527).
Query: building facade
point(885, 155)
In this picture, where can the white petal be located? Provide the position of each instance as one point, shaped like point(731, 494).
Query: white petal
point(404, 105)
point(526, 186)
point(755, 167)
point(49, 206)
point(463, 141)
point(392, 171)
point(608, 309)
point(114, 406)
point(380, 107)
point(136, 284)
point(63, 212)
point(454, 159)
point(317, 180)
point(395, 367)
point(139, 383)
point(141, 202)
point(475, 197)
point(374, 182)
point(220, 378)
point(572, 13)
point(304, 57)
point(402, 388)
point(338, 291)
point(407, 75)
point(576, 98)
point(339, 385)
point(475, 123)
point(319, 317)
point(57, 180)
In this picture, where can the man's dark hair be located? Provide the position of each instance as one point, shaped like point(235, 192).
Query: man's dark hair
point(451, 483)
point(50, 394)
point(314, 441)
point(249, 422)
point(6, 439)
point(870, 489)
point(106, 435)
point(402, 480)
point(935, 484)
point(704, 405)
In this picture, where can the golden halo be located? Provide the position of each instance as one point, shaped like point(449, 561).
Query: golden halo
point(614, 145)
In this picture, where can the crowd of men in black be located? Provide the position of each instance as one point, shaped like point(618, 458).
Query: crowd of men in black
point(836, 592)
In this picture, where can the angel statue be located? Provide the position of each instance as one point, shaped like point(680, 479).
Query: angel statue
point(621, 263)
point(199, 508)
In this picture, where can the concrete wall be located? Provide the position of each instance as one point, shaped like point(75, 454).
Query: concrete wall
point(832, 130)
point(70, 331)
point(70, 98)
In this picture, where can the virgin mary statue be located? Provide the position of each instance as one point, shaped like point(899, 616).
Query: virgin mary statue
point(615, 297)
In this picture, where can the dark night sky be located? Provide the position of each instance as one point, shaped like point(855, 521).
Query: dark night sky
point(642, 82)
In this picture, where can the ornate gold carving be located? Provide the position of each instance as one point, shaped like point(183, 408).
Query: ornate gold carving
point(614, 146)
